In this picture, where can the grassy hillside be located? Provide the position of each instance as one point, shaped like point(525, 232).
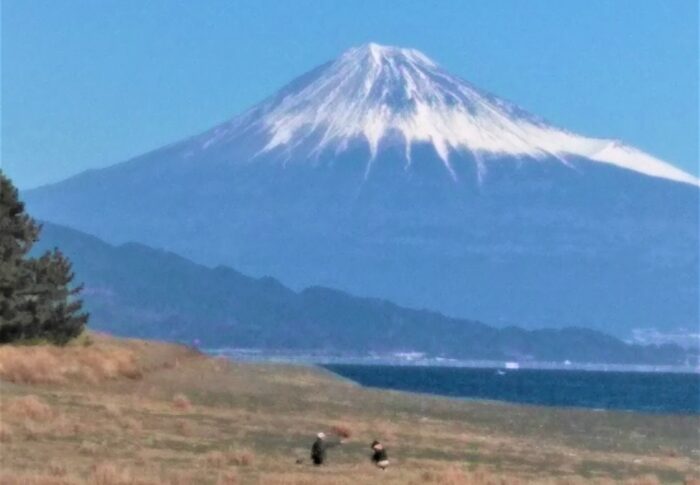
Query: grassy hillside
point(140, 412)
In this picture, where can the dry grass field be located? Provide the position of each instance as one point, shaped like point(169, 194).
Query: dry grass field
point(137, 412)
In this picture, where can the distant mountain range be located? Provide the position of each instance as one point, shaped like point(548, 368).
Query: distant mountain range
point(137, 291)
point(382, 174)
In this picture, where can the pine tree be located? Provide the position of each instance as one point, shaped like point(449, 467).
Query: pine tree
point(17, 234)
point(36, 298)
point(56, 309)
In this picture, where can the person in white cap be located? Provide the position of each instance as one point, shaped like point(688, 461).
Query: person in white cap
point(318, 449)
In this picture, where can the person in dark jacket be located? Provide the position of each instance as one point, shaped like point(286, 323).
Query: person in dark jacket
point(379, 456)
point(318, 449)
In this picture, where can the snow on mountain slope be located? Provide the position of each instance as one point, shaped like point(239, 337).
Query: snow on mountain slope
point(342, 178)
point(376, 94)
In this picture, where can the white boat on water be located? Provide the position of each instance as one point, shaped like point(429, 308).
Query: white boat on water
point(512, 365)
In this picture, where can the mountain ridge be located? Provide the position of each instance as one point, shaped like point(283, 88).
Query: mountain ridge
point(137, 291)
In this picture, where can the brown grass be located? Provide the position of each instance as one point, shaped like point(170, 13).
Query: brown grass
point(221, 459)
point(456, 476)
point(56, 365)
point(102, 474)
point(109, 474)
point(644, 480)
point(34, 479)
point(252, 422)
point(99, 474)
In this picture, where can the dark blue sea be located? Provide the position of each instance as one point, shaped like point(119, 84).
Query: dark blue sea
point(665, 393)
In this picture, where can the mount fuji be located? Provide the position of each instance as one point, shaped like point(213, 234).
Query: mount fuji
point(382, 174)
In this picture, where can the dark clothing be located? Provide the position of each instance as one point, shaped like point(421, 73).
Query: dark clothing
point(318, 451)
point(379, 455)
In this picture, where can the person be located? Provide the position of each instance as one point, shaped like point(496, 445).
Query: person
point(318, 449)
point(379, 456)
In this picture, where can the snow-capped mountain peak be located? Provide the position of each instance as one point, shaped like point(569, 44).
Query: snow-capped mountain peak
point(374, 93)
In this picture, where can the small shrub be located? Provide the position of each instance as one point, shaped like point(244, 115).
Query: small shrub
point(183, 428)
point(181, 478)
point(428, 476)
point(644, 480)
point(228, 478)
point(31, 430)
point(62, 426)
point(669, 452)
point(241, 458)
point(141, 457)
point(215, 459)
point(6, 433)
point(29, 408)
point(181, 402)
point(108, 474)
point(88, 448)
point(112, 410)
point(84, 339)
point(130, 424)
point(341, 430)
point(57, 469)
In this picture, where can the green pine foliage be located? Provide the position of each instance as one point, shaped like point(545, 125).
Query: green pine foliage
point(37, 300)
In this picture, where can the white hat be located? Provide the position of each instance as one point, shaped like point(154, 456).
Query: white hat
point(321, 435)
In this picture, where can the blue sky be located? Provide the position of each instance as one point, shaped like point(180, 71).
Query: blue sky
point(90, 83)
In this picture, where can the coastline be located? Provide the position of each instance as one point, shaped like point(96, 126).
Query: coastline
point(416, 359)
